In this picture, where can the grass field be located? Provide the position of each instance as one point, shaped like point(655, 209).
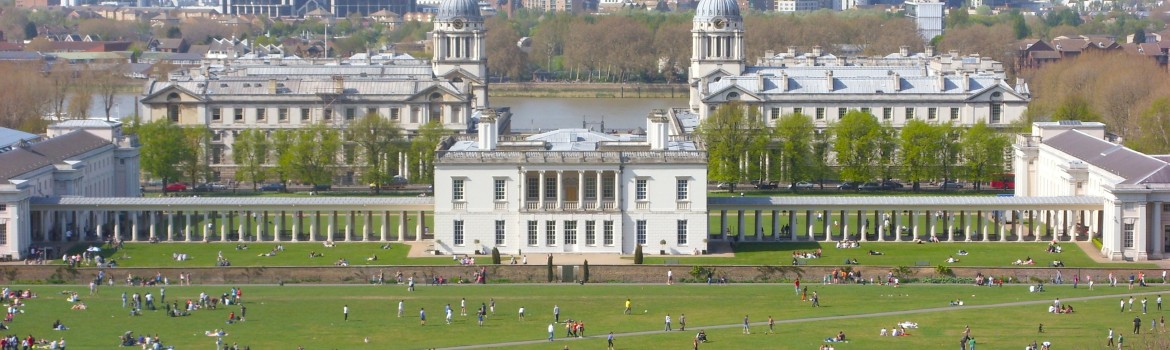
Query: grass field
point(310, 316)
point(901, 254)
point(294, 254)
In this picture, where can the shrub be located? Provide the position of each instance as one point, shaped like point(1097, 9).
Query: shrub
point(551, 275)
point(1097, 243)
point(495, 256)
point(700, 272)
point(638, 255)
point(944, 270)
point(585, 272)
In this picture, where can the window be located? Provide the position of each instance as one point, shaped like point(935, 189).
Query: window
point(841, 113)
point(1128, 236)
point(640, 233)
point(954, 113)
point(682, 190)
point(640, 189)
point(820, 113)
point(607, 188)
point(414, 115)
point(591, 187)
point(607, 232)
point(798, 110)
point(500, 232)
point(682, 232)
point(570, 232)
point(216, 114)
point(866, 110)
point(350, 113)
point(533, 188)
point(326, 114)
point(501, 190)
point(261, 113)
point(371, 110)
point(775, 113)
point(931, 113)
point(590, 232)
point(394, 114)
point(282, 114)
point(996, 113)
point(909, 113)
point(458, 231)
point(304, 114)
point(550, 232)
point(457, 189)
point(4, 233)
point(887, 113)
point(550, 188)
point(239, 114)
point(532, 228)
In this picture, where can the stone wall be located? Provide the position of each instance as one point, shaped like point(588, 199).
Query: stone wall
point(22, 274)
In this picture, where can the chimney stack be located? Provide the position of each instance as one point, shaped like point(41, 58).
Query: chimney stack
point(816, 51)
point(792, 51)
point(929, 51)
point(966, 82)
point(489, 133)
point(272, 86)
point(339, 84)
point(656, 131)
point(829, 80)
point(896, 83)
point(904, 51)
point(784, 81)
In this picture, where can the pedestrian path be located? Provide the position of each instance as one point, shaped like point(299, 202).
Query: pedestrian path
point(799, 320)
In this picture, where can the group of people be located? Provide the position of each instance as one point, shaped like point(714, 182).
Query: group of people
point(845, 244)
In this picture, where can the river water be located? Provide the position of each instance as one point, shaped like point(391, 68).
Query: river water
point(528, 113)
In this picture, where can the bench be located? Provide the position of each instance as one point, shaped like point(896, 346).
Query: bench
point(670, 262)
point(921, 263)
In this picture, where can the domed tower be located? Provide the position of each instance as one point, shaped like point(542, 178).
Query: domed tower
point(716, 44)
point(458, 47)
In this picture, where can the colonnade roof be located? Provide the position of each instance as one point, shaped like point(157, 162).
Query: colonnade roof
point(236, 203)
point(905, 203)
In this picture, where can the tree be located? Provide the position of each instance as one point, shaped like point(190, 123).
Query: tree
point(106, 85)
point(282, 144)
point(984, 151)
point(377, 137)
point(495, 256)
point(585, 272)
point(30, 30)
point(552, 276)
point(504, 57)
point(856, 142)
point(159, 152)
point(60, 78)
point(920, 151)
point(195, 159)
point(1153, 132)
point(81, 93)
point(794, 132)
point(422, 150)
point(730, 133)
point(948, 148)
point(314, 154)
point(638, 254)
point(250, 154)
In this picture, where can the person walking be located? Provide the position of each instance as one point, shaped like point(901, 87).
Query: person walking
point(746, 329)
point(551, 329)
point(609, 341)
point(628, 311)
point(492, 305)
point(463, 307)
point(668, 323)
point(556, 313)
point(345, 312)
point(771, 325)
point(1137, 325)
point(1123, 305)
point(669, 277)
point(1144, 299)
point(422, 316)
point(1130, 303)
point(450, 313)
point(401, 306)
point(816, 300)
point(682, 322)
point(1110, 339)
point(521, 313)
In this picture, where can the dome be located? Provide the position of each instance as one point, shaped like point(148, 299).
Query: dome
point(711, 9)
point(452, 9)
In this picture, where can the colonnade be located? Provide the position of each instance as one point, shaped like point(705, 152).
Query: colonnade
point(570, 189)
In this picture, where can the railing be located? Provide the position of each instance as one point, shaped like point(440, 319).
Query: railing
point(684, 205)
point(531, 205)
point(608, 205)
point(642, 206)
point(501, 205)
point(550, 205)
point(590, 205)
point(459, 206)
point(1028, 140)
point(570, 205)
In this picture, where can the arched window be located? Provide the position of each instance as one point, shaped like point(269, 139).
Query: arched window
point(732, 96)
point(173, 107)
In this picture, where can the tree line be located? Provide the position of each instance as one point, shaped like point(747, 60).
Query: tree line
point(857, 148)
point(312, 155)
point(58, 91)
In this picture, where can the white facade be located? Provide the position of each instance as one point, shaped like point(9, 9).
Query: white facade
point(571, 190)
point(789, 6)
point(928, 15)
point(1075, 159)
point(75, 161)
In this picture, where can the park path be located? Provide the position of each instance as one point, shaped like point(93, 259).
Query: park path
point(799, 320)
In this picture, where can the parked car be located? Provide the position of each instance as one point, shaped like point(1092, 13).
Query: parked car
point(275, 186)
point(322, 187)
point(767, 186)
point(201, 188)
point(176, 187)
point(891, 185)
point(847, 186)
point(215, 186)
point(951, 185)
point(803, 185)
point(870, 186)
point(725, 186)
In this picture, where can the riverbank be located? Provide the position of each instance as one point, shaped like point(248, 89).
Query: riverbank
point(588, 90)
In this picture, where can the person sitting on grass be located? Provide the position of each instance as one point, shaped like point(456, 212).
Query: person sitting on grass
point(1057, 263)
point(962, 252)
point(874, 252)
point(372, 258)
point(57, 326)
point(952, 260)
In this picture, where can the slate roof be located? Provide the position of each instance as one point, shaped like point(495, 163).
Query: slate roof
point(855, 85)
point(52, 151)
point(233, 201)
point(900, 201)
point(1133, 166)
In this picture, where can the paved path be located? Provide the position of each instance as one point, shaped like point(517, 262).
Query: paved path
point(800, 320)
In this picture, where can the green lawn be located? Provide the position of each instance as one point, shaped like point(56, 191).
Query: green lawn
point(266, 230)
point(310, 316)
point(294, 254)
point(922, 220)
point(901, 254)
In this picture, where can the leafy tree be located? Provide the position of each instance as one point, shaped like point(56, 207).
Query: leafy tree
point(504, 57)
point(194, 162)
point(250, 153)
point(106, 86)
point(949, 149)
point(282, 144)
point(422, 150)
point(887, 147)
point(857, 138)
point(731, 133)
point(159, 152)
point(314, 154)
point(495, 256)
point(552, 276)
point(1153, 135)
point(822, 152)
point(984, 150)
point(920, 151)
point(377, 137)
point(585, 272)
point(638, 258)
point(794, 133)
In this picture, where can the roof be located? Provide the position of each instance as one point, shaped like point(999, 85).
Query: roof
point(250, 202)
point(85, 123)
point(710, 9)
point(52, 151)
point(1133, 166)
point(452, 9)
point(952, 85)
point(10, 137)
point(968, 202)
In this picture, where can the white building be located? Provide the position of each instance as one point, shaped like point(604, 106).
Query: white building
point(1072, 158)
point(88, 158)
point(895, 89)
point(929, 15)
point(572, 190)
point(789, 6)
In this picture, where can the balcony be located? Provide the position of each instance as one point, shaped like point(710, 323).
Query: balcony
point(531, 205)
point(642, 206)
point(570, 206)
point(608, 205)
point(501, 205)
point(459, 206)
point(684, 206)
point(550, 205)
point(592, 204)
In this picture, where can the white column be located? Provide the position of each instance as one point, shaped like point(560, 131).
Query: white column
point(188, 227)
point(402, 226)
point(580, 190)
point(541, 190)
point(723, 224)
point(313, 227)
point(1001, 225)
point(422, 222)
point(895, 222)
point(617, 189)
point(242, 225)
point(1159, 241)
point(560, 190)
point(1142, 232)
point(757, 226)
point(844, 225)
point(776, 225)
point(296, 226)
point(279, 226)
point(117, 225)
point(808, 225)
point(367, 228)
point(966, 225)
point(828, 225)
point(170, 226)
point(597, 189)
point(349, 225)
point(950, 218)
point(153, 225)
point(224, 221)
point(983, 225)
point(881, 224)
point(261, 218)
point(385, 230)
point(739, 226)
point(134, 234)
point(330, 224)
point(913, 221)
point(523, 190)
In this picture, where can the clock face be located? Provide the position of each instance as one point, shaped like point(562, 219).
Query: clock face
point(458, 24)
point(720, 23)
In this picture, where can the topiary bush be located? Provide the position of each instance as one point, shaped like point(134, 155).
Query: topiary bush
point(495, 256)
point(638, 255)
point(585, 272)
point(552, 276)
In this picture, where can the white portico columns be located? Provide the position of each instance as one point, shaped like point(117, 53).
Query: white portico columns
point(188, 227)
point(541, 189)
point(135, 233)
point(580, 190)
point(950, 219)
point(844, 225)
point(170, 226)
point(279, 227)
point(224, 221)
point(153, 225)
point(349, 221)
point(296, 226)
point(597, 190)
point(826, 223)
point(739, 226)
point(402, 226)
point(242, 225)
point(1142, 232)
point(560, 190)
point(313, 227)
point(367, 230)
point(757, 228)
point(1159, 232)
point(422, 224)
point(385, 226)
point(966, 217)
point(808, 225)
point(983, 225)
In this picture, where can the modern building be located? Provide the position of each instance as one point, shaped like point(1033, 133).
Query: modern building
point(88, 158)
point(284, 92)
point(789, 6)
point(928, 15)
point(572, 190)
point(1070, 158)
point(895, 88)
point(338, 8)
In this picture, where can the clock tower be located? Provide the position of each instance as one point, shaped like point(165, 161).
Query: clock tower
point(459, 54)
point(717, 48)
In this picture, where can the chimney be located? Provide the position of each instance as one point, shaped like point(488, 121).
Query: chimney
point(656, 130)
point(929, 51)
point(769, 54)
point(966, 82)
point(829, 80)
point(954, 54)
point(904, 51)
point(784, 81)
point(816, 51)
point(896, 83)
point(759, 82)
point(489, 133)
point(339, 84)
point(792, 51)
point(942, 83)
point(272, 86)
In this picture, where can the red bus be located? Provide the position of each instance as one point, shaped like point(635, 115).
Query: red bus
point(1004, 181)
